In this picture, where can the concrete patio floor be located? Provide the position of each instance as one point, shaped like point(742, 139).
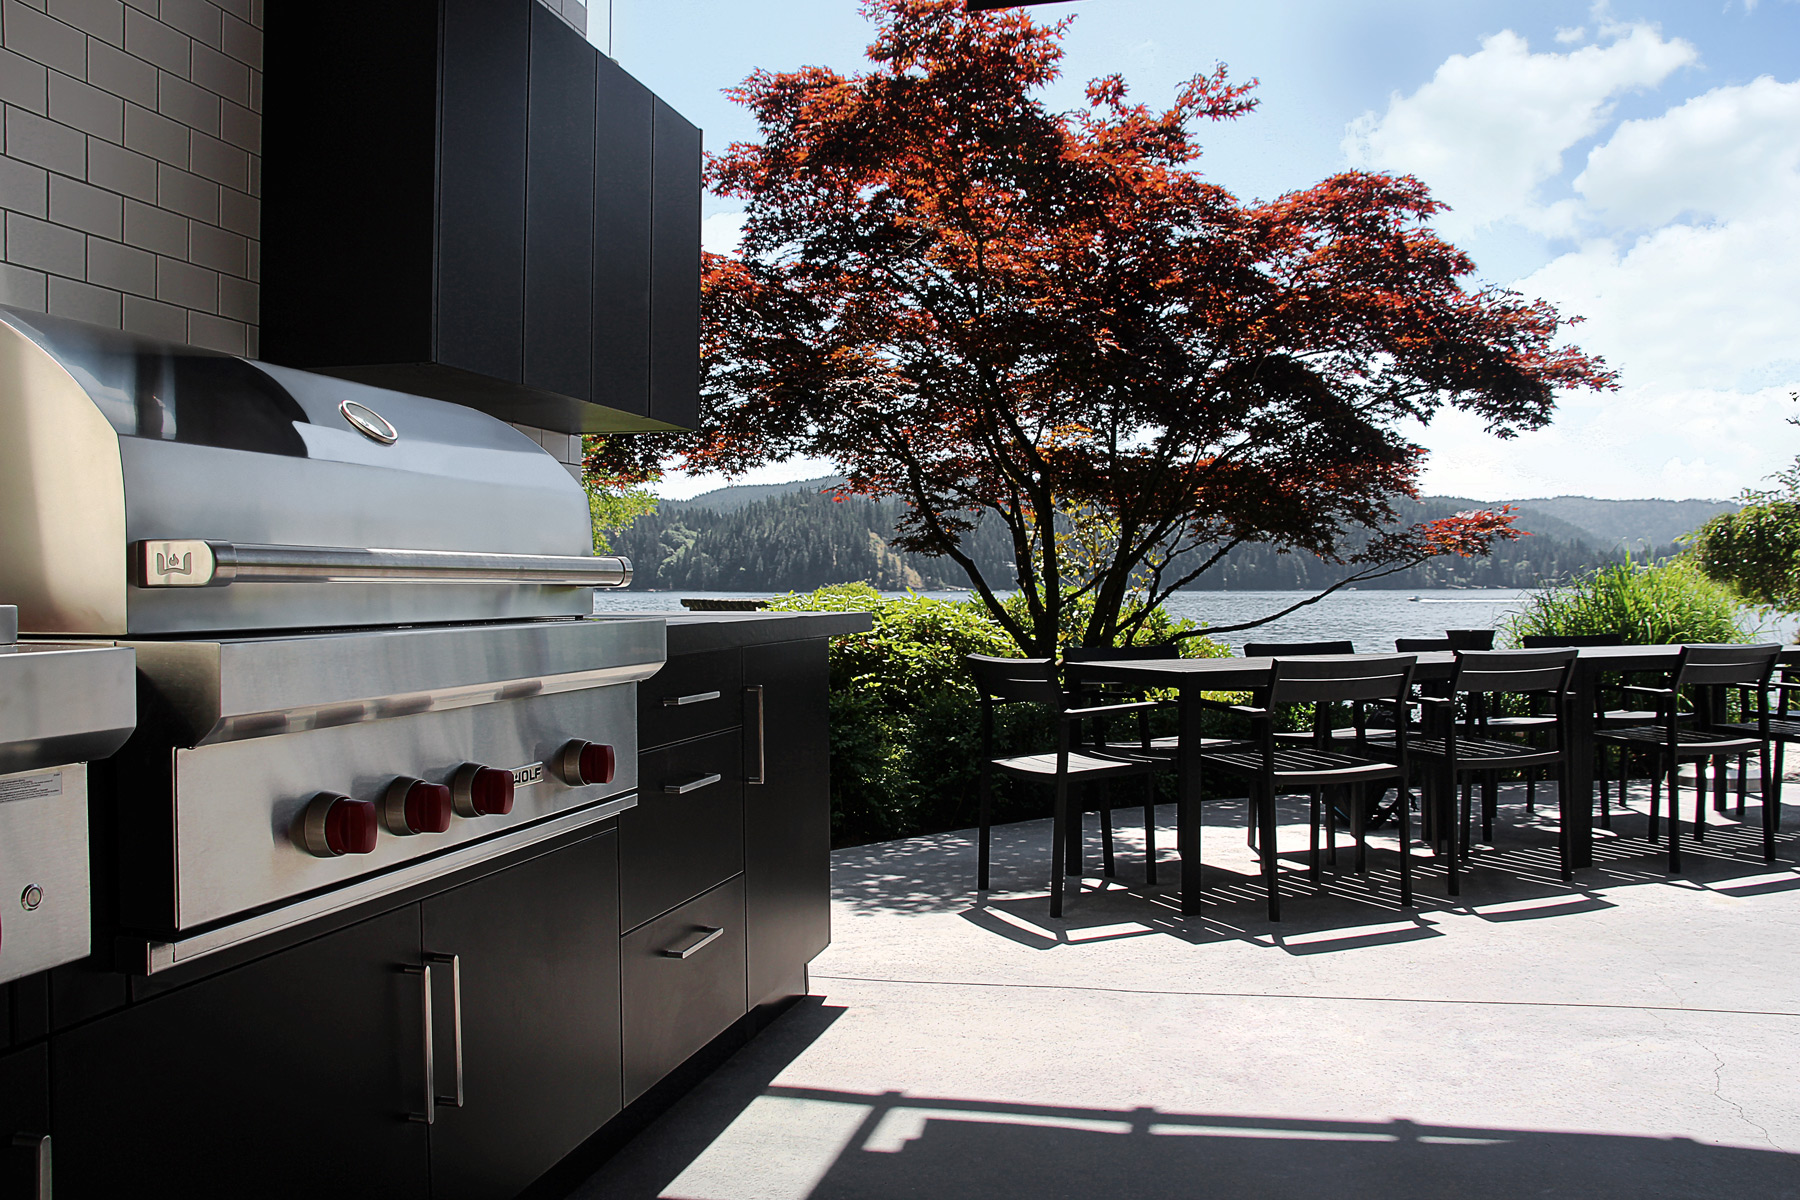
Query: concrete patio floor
point(1629, 1036)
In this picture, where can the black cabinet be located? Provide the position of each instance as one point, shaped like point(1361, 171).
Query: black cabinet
point(687, 832)
point(290, 1076)
point(787, 816)
point(465, 199)
point(25, 1161)
point(536, 952)
point(683, 983)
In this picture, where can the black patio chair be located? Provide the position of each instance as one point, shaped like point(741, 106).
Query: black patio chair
point(1421, 645)
point(1144, 745)
point(1699, 735)
point(1457, 745)
point(1322, 721)
point(1606, 716)
point(1033, 681)
point(1274, 766)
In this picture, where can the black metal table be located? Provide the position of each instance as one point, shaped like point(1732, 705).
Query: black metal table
point(1191, 676)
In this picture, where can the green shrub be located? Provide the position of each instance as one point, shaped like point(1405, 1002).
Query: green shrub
point(1658, 605)
point(906, 719)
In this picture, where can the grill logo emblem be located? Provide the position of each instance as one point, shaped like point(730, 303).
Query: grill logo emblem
point(528, 774)
point(171, 564)
point(369, 423)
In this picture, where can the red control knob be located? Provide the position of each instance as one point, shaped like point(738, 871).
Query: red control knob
point(482, 791)
point(587, 762)
point(336, 825)
point(414, 806)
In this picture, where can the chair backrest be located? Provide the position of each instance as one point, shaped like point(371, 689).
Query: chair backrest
point(1513, 672)
point(1295, 649)
point(1470, 639)
point(1359, 677)
point(1542, 641)
point(1119, 653)
point(1713, 666)
point(1029, 679)
point(1421, 645)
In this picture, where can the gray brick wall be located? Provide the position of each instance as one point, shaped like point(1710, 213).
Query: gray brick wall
point(131, 167)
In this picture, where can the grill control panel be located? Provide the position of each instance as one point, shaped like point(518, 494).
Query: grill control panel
point(261, 820)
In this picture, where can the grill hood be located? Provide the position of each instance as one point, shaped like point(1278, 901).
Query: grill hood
point(148, 488)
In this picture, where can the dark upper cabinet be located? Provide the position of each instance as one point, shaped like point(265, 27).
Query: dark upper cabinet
point(675, 270)
point(622, 206)
point(559, 209)
point(464, 199)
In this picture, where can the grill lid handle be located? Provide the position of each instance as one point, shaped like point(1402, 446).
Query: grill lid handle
point(188, 563)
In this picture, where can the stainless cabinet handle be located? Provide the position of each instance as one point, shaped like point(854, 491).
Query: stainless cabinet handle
point(706, 938)
point(761, 774)
point(429, 1116)
point(696, 698)
point(454, 962)
point(691, 785)
point(35, 1147)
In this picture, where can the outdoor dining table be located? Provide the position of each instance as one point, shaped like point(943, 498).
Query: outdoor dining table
point(1192, 676)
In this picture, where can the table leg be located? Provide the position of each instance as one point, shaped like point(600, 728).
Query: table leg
point(1187, 803)
point(1578, 805)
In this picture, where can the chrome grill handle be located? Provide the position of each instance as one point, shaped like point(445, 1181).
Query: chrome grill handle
point(196, 563)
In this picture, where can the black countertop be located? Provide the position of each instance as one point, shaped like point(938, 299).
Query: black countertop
point(697, 631)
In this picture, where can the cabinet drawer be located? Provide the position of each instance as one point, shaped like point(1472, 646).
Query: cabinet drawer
point(683, 983)
point(693, 694)
point(677, 843)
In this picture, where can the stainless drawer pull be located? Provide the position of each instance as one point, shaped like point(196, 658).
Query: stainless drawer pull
point(761, 774)
point(691, 785)
point(429, 1116)
point(696, 698)
point(707, 937)
point(454, 962)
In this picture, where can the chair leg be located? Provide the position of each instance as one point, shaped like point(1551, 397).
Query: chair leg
point(1254, 821)
point(1270, 864)
point(1359, 828)
point(1312, 851)
point(1073, 833)
point(1331, 825)
point(1721, 784)
point(1490, 804)
point(1655, 801)
point(1674, 815)
point(1531, 790)
point(1059, 837)
point(1771, 802)
point(1108, 867)
point(1465, 823)
point(1404, 804)
point(1446, 821)
point(985, 825)
point(1150, 830)
point(1565, 804)
point(1743, 782)
point(1718, 771)
point(1605, 792)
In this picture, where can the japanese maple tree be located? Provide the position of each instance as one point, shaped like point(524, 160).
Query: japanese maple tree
point(1050, 319)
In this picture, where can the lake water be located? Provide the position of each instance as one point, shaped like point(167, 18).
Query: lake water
point(1371, 619)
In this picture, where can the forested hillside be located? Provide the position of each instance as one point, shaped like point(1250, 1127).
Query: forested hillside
point(790, 537)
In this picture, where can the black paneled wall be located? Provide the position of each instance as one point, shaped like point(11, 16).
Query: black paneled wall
point(466, 199)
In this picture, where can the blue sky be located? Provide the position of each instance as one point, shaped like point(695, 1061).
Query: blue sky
point(1637, 163)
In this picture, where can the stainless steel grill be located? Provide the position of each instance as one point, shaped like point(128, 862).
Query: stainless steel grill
point(361, 619)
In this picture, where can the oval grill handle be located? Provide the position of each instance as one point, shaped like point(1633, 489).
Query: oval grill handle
point(192, 563)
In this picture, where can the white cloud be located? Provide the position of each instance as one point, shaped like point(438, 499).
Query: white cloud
point(1687, 267)
point(1732, 152)
point(1490, 128)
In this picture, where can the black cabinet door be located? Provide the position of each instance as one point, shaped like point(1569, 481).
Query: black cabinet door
point(486, 57)
point(683, 983)
point(24, 1121)
point(289, 1076)
point(675, 269)
point(559, 209)
point(537, 947)
point(787, 818)
point(622, 203)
